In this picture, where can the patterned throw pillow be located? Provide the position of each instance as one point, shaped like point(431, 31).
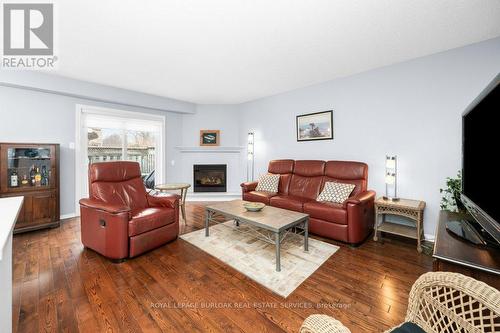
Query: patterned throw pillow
point(336, 192)
point(268, 183)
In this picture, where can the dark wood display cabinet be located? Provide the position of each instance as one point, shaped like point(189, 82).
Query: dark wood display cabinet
point(32, 171)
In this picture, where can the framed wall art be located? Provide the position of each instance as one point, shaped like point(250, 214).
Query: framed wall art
point(315, 126)
point(209, 137)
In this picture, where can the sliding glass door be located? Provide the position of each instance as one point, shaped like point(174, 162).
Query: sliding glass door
point(111, 135)
point(123, 142)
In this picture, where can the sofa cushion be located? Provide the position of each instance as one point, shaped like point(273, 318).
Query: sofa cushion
point(116, 171)
point(117, 182)
point(309, 168)
point(143, 220)
point(130, 193)
point(335, 192)
point(347, 172)
point(327, 211)
point(307, 179)
point(284, 168)
point(308, 187)
point(289, 202)
point(281, 166)
point(257, 196)
point(268, 183)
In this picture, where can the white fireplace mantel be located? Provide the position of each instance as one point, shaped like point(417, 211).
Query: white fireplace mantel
point(233, 156)
point(217, 149)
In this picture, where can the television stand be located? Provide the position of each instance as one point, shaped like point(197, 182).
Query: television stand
point(464, 230)
point(453, 254)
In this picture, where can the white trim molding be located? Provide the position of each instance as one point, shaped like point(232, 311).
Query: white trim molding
point(235, 149)
point(68, 216)
point(212, 196)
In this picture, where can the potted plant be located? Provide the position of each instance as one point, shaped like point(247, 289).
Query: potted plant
point(450, 199)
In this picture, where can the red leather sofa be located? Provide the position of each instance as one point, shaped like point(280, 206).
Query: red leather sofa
point(299, 186)
point(120, 220)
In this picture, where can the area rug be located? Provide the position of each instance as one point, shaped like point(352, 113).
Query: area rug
point(241, 249)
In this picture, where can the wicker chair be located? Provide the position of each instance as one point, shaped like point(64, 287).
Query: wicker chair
point(439, 302)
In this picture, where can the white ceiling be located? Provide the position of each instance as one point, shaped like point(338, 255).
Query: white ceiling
point(232, 51)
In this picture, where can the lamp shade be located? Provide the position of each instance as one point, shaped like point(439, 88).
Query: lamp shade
point(390, 162)
point(390, 178)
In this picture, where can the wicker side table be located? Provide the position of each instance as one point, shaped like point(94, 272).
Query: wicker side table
point(411, 209)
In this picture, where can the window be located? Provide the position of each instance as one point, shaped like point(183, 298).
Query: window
point(111, 135)
point(115, 139)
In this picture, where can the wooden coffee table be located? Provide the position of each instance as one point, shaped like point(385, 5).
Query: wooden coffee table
point(276, 220)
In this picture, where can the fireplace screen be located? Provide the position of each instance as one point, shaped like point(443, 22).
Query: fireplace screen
point(209, 178)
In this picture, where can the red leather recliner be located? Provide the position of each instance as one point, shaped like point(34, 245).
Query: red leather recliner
point(299, 186)
point(120, 220)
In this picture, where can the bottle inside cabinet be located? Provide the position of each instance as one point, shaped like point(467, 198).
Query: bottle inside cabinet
point(28, 167)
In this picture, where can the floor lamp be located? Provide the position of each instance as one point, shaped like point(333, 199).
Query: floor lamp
point(250, 156)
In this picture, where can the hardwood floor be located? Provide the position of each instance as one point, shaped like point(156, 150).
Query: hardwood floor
point(59, 286)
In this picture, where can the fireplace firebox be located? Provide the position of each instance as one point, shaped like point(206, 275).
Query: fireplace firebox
point(209, 177)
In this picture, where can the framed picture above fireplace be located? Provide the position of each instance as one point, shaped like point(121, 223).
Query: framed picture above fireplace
point(315, 126)
point(209, 137)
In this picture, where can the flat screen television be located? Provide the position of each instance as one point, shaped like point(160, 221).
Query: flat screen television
point(480, 159)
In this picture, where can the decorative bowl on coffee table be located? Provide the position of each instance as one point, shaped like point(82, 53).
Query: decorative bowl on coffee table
point(253, 206)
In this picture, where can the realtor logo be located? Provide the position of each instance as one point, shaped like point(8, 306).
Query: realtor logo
point(28, 29)
point(28, 35)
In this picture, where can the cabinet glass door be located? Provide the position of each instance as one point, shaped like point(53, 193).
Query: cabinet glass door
point(29, 167)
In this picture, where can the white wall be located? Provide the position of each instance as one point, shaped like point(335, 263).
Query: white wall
point(213, 117)
point(35, 116)
point(44, 82)
point(412, 109)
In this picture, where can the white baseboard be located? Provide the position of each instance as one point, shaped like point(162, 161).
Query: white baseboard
point(67, 216)
point(213, 196)
point(429, 237)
